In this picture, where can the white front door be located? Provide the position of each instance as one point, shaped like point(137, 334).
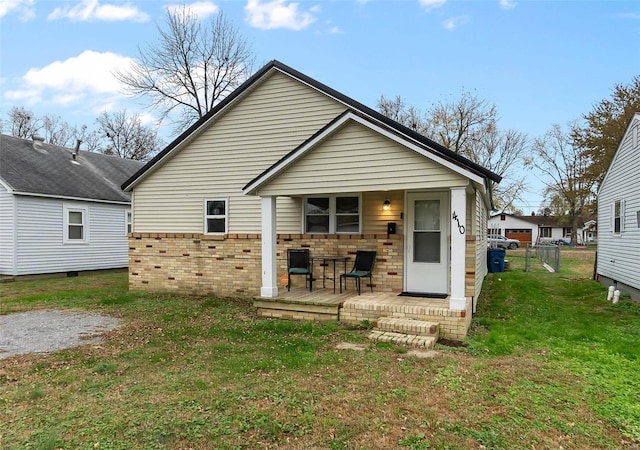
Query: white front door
point(427, 249)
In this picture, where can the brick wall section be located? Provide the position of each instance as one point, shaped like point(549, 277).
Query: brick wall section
point(231, 265)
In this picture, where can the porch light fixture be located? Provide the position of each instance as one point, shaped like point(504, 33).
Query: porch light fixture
point(386, 205)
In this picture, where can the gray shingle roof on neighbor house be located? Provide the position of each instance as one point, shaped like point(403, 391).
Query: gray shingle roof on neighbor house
point(52, 171)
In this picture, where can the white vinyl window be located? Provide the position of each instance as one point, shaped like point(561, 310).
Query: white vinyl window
point(545, 232)
point(127, 222)
point(332, 215)
point(76, 224)
point(215, 216)
point(618, 217)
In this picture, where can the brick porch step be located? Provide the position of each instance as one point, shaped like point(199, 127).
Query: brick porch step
point(297, 310)
point(401, 338)
point(416, 333)
point(407, 326)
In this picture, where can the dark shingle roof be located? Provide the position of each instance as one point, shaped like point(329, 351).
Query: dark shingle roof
point(52, 171)
point(357, 106)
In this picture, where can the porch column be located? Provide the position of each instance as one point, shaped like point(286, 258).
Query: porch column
point(269, 270)
point(458, 218)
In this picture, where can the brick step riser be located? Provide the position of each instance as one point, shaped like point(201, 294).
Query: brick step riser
point(427, 342)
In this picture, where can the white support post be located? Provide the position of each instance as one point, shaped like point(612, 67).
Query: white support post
point(269, 269)
point(458, 218)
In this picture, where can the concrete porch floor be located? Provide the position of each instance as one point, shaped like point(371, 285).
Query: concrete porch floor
point(390, 299)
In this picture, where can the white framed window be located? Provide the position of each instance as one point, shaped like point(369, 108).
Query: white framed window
point(617, 213)
point(333, 214)
point(545, 232)
point(215, 216)
point(127, 222)
point(76, 224)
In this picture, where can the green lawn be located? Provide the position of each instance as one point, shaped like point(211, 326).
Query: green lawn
point(548, 364)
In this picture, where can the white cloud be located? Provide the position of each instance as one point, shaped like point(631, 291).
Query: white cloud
point(24, 8)
point(507, 4)
point(454, 22)
point(201, 9)
point(429, 5)
point(278, 14)
point(84, 80)
point(93, 10)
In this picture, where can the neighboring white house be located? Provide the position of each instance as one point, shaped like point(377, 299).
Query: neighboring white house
point(619, 216)
point(61, 210)
point(529, 229)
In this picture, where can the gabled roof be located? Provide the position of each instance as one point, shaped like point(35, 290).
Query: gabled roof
point(52, 171)
point(407, 133)
point(333, 126)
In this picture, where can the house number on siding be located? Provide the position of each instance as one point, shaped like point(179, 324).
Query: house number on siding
point(461, 228)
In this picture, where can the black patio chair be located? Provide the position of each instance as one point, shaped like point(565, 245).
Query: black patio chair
point(362, 268)
point(299, 263)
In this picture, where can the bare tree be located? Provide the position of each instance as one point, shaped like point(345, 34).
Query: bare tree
point(23, 123)
point(469, 126)
point(126, 137)
point(57, 132)
point(191, 67)
point(90, 140)
point(557, 156)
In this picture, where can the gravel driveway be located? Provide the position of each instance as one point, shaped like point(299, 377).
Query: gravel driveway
point(50, 330)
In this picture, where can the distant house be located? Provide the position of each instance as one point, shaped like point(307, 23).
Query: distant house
point(287, 162)
point(61, 210)
point(619, 216)
point(529, 229)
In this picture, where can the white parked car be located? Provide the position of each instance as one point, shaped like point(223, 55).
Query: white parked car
point(499, 241)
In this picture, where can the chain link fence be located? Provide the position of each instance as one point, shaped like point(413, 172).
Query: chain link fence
point(547, 253)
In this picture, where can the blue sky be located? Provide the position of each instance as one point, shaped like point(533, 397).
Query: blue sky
point(539, 62)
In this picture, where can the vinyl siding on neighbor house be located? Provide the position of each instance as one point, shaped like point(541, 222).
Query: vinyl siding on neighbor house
point(7, 227)
point(619, 253)
point(279, 114)
point(40, 234)
point(357, 159)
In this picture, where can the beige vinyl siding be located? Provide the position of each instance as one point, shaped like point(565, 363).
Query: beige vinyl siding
point(374, 218)
point(274, 118)
point(356, 159)
point(481, 219)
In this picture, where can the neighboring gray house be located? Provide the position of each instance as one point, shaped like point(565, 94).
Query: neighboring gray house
point(619, 216)
point(61, 210)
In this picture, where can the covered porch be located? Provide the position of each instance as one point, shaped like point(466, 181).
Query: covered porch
point(399, 314)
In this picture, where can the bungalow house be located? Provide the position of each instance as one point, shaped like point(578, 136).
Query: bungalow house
point(619, 216)
point(287, 162)
point(529, 229)
point(61, 210)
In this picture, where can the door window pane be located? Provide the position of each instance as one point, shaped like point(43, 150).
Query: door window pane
point(427, 215)
point(426, 246)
